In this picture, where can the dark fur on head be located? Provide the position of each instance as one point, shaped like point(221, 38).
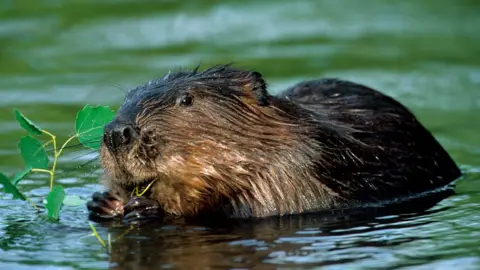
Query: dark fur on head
point(216, 141)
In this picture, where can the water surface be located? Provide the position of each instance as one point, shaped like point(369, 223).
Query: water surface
point(59, 55)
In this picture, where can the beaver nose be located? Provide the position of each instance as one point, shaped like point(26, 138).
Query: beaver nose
point(118, 135)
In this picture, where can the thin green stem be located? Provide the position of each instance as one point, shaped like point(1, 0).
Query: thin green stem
point(57, 153)
point(124, 233)
point(65, 144)
point(145, 190)
point(49, 134)
point(109, 241)
point(42, 171)
point(134, 191)
point(47, 143)
point(54, 139)
point(95, 233)
point(33, 204)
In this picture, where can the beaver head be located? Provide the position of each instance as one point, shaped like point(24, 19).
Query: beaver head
point(211, 136)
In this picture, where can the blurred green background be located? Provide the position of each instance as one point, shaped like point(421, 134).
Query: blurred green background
point(56, 56)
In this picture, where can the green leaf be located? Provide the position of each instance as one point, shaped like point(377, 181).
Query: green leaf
point(73, 200)
point(54, 202)
point(33, 153)
point(26, 123)
point(9, 187)
point(90, 123)
point(20, 175)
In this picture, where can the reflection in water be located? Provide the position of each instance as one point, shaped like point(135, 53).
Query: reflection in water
point(318, 239)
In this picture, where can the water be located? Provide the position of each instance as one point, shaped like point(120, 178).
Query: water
point(59, 55)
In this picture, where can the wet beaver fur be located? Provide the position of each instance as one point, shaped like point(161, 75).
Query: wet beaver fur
point(216, 142)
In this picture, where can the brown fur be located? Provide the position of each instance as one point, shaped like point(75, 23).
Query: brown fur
point(241, 152)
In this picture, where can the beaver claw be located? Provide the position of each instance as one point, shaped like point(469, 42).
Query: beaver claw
point(140, 208)
point(105, 206)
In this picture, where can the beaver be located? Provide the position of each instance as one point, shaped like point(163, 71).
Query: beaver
point(217, 142)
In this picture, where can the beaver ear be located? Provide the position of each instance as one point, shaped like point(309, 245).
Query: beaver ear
point(257, 88)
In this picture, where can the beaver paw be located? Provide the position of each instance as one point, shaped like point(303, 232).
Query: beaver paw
point(105, 206)
point(141, 208)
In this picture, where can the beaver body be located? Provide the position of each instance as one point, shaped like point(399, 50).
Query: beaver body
point(216, 142)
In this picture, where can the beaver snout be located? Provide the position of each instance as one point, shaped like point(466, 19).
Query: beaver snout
point(118, 135)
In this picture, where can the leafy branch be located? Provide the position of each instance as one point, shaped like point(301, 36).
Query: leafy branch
point(89, 125)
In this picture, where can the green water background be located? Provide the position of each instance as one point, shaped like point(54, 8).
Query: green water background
point(57, 56)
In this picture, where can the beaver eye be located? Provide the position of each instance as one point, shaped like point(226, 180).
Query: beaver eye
point(186, 100)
